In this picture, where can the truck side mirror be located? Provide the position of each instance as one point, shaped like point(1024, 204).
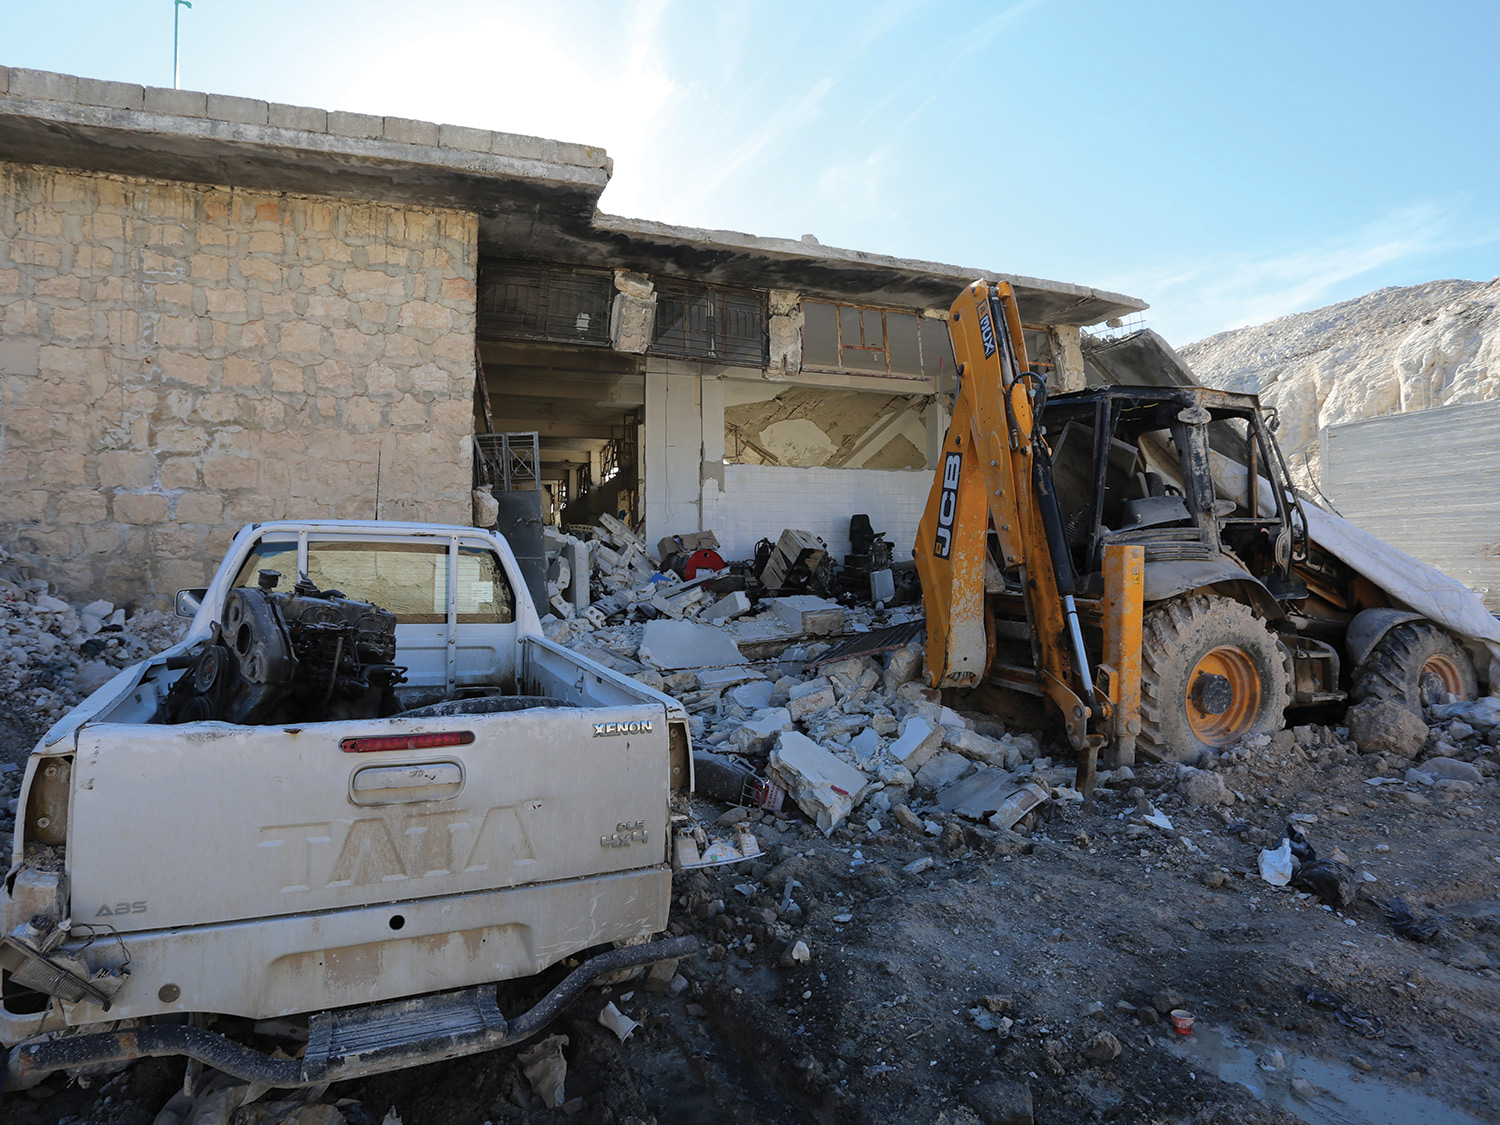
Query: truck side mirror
point(187, 601)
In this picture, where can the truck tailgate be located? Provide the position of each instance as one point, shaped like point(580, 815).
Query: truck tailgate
point(208, 822)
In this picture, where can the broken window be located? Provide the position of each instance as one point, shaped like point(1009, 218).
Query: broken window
point(711, 323)
point(862, 340)
point(543, 301)
point(408, 579)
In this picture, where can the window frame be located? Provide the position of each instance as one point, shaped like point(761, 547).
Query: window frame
point(928, 375)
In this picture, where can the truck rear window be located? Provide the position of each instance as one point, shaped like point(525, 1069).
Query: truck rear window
point(408, 579)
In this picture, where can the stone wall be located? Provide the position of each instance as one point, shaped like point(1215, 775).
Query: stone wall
point(177, 360)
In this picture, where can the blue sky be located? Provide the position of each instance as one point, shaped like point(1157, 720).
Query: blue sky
point(1229, 163)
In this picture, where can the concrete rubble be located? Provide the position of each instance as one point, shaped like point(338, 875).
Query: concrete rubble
point(848, 739)
point(52, 654)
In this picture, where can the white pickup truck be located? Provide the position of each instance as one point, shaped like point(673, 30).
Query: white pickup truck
point(362, 791)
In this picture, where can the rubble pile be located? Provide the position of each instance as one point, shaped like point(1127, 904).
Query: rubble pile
point(858, 737)
point(52, 654)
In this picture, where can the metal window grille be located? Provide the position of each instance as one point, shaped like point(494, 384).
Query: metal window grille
point(542, 301)
point(710, 323)
point(513, 461)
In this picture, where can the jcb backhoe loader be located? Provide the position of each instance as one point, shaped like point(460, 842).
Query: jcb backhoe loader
point(1138, 557)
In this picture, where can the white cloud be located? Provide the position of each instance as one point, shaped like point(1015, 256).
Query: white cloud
point(1190, 300)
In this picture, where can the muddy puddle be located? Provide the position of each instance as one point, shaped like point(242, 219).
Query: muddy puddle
point(1335, 1096)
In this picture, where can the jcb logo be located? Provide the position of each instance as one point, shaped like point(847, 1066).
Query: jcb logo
point(107, 911)
point(987, 334)
point(948, 504)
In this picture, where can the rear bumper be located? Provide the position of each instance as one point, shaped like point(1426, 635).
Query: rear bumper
point(266, 968)
point(350, 1043)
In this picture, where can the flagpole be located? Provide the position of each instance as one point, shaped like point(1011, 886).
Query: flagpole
point(177, 6)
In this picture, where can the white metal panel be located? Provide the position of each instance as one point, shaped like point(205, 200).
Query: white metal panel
point(259, 821)
point(1427, 482)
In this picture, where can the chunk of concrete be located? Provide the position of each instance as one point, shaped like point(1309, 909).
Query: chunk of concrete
point(824, 787)
point(812, 616)
point(810, 702)
point(976, 747)
point(752, 696)
point(717, 679)
point(728, 607)
point(866, 744)
point(905, 665)
point(686, 644)
point(756, 733)
point(943, 769)
point(918, 741)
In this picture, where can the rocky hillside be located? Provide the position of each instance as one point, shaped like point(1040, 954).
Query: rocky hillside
point(1392, 350)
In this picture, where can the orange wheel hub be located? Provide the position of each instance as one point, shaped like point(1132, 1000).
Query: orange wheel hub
point(1216, 716)
point(1441, 668)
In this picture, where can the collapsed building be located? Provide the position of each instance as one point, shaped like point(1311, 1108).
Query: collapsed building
point(218, 310)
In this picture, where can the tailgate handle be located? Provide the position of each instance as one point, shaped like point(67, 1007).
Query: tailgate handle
point(411, 781)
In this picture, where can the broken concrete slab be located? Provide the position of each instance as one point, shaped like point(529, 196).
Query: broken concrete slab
point(717, 679)
point(686, 644)
point(803, 613)
point(809, 703)
point(824, 787)
point(757, 732)
point(728, 607)
point(942, 769)
point(752, 696)
point(978, 748)
point(918, 741)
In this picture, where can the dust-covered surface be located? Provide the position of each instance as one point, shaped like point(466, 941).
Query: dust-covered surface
point(906, 962)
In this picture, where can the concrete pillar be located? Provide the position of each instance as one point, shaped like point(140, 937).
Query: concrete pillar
point(711, 471)
point(1067, 344)
point(672, 454)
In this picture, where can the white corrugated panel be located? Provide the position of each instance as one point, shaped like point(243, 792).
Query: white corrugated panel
point(1427, 482)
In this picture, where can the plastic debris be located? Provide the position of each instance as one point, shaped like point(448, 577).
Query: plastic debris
point(617, 1021)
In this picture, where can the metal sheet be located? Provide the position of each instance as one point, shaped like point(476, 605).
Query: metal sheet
point(1427, 482)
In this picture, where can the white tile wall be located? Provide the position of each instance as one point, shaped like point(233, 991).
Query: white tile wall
point(760, 500)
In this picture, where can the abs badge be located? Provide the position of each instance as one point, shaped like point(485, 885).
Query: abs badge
point(601, 729)
point(948, 505)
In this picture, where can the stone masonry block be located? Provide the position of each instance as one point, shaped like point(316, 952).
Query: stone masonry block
point(461, 136)
point(140, 507)
point(4, 79)
point(514, 144)
point(246, 111)
point(43, 85)
point(116, 95)
point(177, 103)
point(363, 126)
point(406, 131)
point(304, 118)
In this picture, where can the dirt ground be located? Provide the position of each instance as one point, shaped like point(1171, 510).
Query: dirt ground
point(1076, 929)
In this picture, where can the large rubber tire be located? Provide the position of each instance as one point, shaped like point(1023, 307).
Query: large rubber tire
point(1196, 634)
point(1412, 664)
